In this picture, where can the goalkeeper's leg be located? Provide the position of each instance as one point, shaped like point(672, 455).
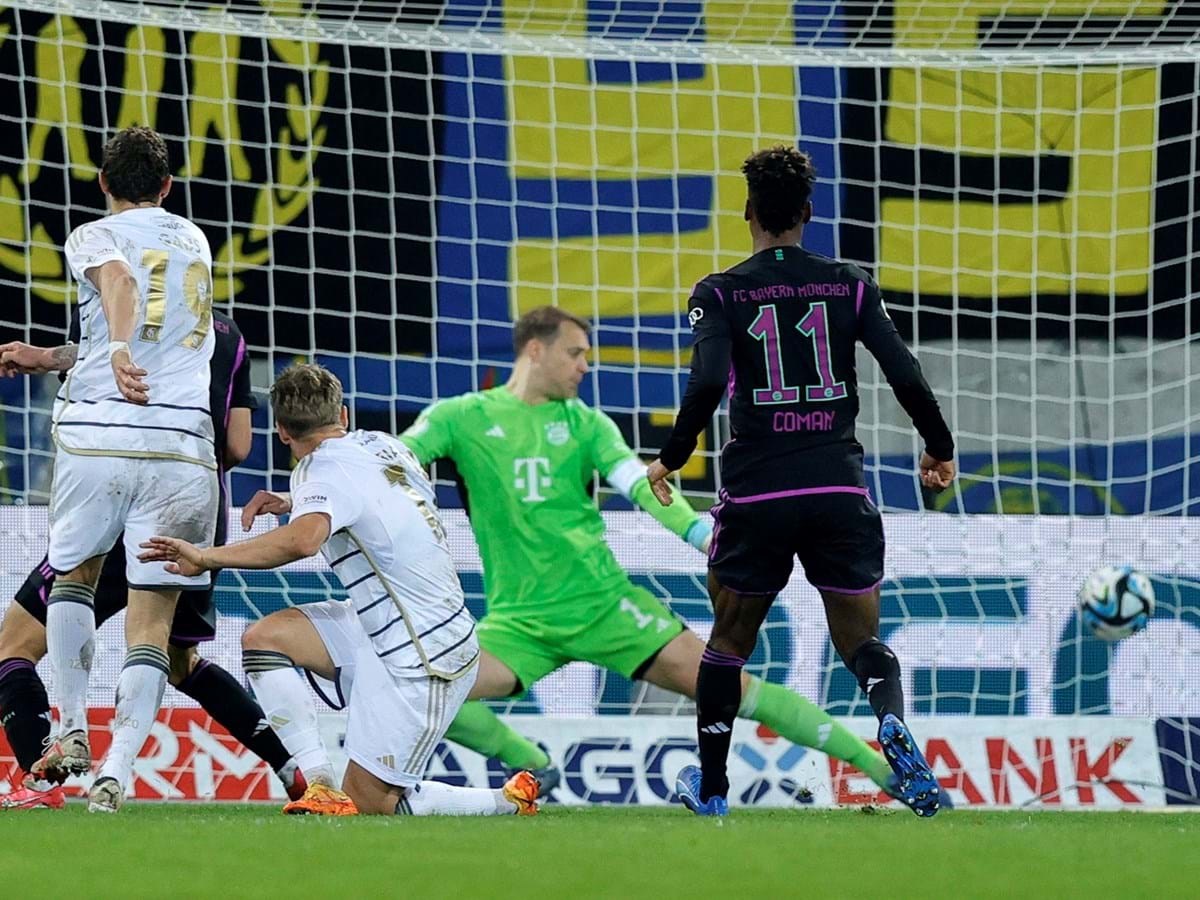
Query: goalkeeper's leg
point(785, 712)
point(513, 658)
point(477, 728)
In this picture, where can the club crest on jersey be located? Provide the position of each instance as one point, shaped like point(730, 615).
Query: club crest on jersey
point(558, 433)
point(695, 316)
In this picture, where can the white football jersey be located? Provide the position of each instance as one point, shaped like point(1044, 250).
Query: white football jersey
point(388, 548)
point(173, 341)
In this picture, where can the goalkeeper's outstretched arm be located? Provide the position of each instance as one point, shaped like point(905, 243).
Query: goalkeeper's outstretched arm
point(627, 474)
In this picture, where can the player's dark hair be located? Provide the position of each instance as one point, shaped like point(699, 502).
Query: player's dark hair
point(305, 397)
point(135, 164)
point(779, 181)
point(543, 323)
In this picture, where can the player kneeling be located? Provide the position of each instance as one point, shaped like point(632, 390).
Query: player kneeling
point(363, 501)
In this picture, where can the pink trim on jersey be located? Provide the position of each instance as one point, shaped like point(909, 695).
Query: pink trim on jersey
point(858, 300)
point(237, 364)
point(720, 296)
point(715, 513)
point(803, 492)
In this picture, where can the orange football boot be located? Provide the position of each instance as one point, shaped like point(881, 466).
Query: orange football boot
point(522, 789)
point(322, 800)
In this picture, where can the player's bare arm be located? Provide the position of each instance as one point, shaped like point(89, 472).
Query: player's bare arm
point(19, 358)
point(299, 539)
point(239, 436)
point(119, 296)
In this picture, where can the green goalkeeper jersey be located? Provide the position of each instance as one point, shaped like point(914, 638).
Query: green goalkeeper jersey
point(527, 471)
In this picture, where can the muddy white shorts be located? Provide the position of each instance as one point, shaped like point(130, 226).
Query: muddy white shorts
point(95, 498)
point(395, 723)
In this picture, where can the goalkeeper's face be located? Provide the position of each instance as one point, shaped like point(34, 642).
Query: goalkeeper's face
point(562, 363)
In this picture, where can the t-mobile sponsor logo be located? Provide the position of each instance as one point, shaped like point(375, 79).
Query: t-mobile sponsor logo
point(532, 475)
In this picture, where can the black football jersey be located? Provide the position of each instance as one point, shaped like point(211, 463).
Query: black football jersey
point(777, 334)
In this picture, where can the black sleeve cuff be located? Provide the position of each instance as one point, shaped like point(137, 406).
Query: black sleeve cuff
point(676, 452)
point(941, 452)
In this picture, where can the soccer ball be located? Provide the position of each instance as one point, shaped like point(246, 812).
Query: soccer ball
point(1116, 601)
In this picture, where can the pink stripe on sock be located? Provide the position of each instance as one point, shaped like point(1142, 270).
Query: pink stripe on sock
point(716, 658)
point(13, 665)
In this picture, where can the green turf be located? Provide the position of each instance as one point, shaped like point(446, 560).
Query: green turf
point(252, 851)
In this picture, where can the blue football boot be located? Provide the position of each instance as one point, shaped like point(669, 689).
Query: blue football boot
point(687, 787)
point(917, 788)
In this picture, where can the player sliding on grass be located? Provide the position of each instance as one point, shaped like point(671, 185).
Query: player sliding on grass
point(778, 333)
point(24, 706)
point(527, 452)
point(362, 500)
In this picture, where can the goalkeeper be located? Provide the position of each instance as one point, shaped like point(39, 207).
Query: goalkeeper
point(526, 452)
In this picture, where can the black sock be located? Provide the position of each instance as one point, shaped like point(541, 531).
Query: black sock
point(718, 696)
point(230, 705)
point(878, 673)
point(24, 710)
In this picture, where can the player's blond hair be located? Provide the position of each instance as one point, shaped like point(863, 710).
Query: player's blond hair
point(305, 397)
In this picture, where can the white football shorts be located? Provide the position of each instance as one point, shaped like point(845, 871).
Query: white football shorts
point(94, 498)
point(338, 627)
point(394, 723)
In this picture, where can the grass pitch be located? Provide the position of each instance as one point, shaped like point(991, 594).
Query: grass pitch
point(253, 851)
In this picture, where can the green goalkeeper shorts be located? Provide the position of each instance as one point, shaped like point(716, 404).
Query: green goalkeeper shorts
point(621, 632)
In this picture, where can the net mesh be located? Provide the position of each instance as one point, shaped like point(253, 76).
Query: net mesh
point(981, 610)
point(387, 185)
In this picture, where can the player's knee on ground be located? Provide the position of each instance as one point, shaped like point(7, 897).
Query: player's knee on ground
point(21, 635)
point(183, 661)
point(372, 796)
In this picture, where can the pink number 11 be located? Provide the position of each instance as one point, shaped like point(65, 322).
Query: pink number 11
point(814, 325)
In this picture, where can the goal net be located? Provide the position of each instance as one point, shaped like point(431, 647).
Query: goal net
point(386, 186)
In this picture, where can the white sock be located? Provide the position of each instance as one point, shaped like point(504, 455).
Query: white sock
point(432, 798)
point(70, 643)
point(139, 696)
point(290, 710)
